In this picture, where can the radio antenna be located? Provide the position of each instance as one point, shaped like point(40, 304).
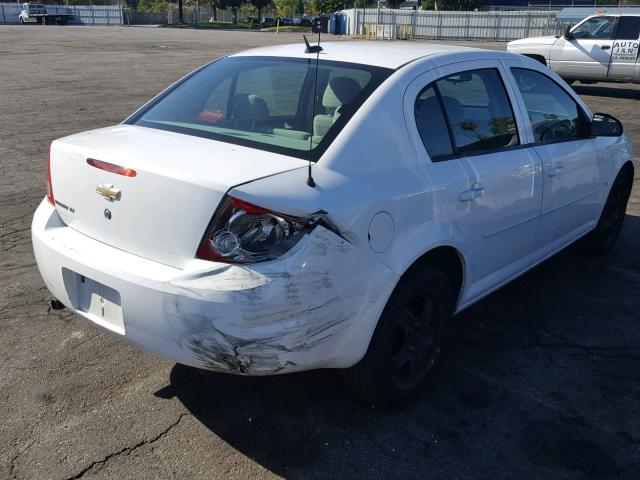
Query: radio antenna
point(313, 49)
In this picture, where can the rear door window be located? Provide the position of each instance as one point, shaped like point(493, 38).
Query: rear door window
point(478, 111)
point(466, 113)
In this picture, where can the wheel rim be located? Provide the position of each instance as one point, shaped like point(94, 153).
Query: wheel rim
point(416, 342)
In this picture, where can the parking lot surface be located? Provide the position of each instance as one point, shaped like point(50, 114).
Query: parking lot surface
point(540, 380)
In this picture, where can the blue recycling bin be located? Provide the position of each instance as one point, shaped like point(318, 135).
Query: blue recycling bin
point(338, 24)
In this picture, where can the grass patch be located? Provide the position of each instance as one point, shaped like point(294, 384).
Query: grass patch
point(218, 26)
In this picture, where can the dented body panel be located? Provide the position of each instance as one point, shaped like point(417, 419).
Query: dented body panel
point(314, 308)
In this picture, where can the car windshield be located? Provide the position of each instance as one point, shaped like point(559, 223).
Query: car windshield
point(265, 103)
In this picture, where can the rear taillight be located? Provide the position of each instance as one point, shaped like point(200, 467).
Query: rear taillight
point(50, 197)
point(244, 233)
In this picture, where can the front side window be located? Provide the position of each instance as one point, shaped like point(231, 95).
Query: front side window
point(266, 103)
point(554, 115)
point(628, 28)
point(598, 28)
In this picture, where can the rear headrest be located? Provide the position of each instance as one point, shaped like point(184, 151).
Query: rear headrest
point(340, 91)
point(249, 108)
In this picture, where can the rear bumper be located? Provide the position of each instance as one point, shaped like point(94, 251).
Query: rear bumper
point(316, 307)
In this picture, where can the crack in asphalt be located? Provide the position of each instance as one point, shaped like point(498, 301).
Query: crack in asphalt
point(98, 464)
point(11, 220)
point(20, 267)
point(13, 232)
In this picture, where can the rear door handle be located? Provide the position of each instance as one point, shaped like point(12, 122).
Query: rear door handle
point(476, 191)
point(556, 170)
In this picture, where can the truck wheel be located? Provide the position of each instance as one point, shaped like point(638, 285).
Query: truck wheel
point(406, 344)
point(604, 237)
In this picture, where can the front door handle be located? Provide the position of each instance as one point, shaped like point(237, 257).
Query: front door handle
point(476, 191)
point(556, 170)
point(605, 47)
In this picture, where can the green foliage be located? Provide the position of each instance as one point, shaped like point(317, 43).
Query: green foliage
point(259, 5)
point(363, 3)
point(285, 8)
point(153, 6)
point(327, 6)
point(452, 4)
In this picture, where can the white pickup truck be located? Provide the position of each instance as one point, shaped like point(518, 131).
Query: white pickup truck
point(602, 47)
point(37, 13)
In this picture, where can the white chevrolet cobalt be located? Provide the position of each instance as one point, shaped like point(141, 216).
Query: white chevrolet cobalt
point(277, 210)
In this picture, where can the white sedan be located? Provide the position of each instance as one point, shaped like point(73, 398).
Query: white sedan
point(270, 214)
point(600, 48)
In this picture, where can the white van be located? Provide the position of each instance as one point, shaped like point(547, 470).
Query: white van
point(602, 47)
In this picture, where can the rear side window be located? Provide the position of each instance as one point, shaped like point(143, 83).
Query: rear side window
point(554, 115)
point(466, 113)
point(628, 28)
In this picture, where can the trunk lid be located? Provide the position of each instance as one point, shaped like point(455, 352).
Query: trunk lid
point(162, 212)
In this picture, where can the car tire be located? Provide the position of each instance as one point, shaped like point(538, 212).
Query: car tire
point(407, 342)
point(603, 238)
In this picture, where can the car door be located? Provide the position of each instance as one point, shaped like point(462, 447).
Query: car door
point(573, 164)
point(464, 116)
point(624, 54)
point(587, 53)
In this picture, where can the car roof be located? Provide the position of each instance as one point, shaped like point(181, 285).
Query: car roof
point(375, 53)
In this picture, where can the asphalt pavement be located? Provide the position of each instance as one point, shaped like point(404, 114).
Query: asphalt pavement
point(540, 380)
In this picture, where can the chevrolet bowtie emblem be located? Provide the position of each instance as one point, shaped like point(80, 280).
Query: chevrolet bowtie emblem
point(108, 191)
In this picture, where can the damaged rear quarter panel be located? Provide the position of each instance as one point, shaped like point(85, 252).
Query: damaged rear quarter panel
point(316, 307)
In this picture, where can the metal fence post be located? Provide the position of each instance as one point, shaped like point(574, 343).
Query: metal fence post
point(467, 24)
point(439, 31)
point(414, 18)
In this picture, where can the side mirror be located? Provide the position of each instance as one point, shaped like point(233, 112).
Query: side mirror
point(605, 125)
point(567, 33)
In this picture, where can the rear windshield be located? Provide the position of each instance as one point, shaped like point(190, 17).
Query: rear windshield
point(266, 103)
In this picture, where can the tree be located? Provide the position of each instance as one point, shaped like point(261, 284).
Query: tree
point(285, 8)
point(327, 6)
point(260, 4)
point(152, 6)
point(214, 5)
point(233, 5)
point(180, 12)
